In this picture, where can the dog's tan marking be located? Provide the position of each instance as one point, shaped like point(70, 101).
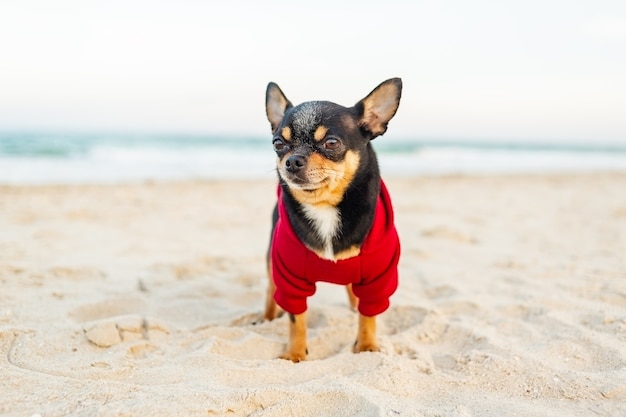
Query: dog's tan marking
point(335, 177)
point(340, 256)
point(320, 132)
point(296, 349)
point(286, 132)
point(351, 252)
point(366, 337)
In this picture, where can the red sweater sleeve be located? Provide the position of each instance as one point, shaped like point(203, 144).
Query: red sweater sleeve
point(289, 255)
point(380, 255)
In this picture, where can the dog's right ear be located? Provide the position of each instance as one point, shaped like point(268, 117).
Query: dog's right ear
point(275, 105)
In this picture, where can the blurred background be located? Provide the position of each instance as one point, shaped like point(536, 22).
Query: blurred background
point(136, 90)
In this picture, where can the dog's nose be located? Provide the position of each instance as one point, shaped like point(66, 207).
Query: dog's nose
point(295, 163)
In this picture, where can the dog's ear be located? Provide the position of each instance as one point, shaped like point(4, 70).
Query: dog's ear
point(275, 105)
point(377, 109)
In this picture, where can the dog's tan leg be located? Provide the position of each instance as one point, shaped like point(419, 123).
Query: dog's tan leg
point(296, 349)
point(366, 337)
point(354, 302)
point(270, 304)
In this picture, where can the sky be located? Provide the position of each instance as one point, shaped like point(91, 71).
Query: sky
point(549, 70)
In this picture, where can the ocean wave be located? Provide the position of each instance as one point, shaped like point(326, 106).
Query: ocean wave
point(58, 145)
point(56, 158)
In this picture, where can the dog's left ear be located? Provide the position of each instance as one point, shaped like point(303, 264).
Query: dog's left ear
point(377, 109)
point(275, 105)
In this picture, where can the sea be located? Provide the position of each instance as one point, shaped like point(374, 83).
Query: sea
point(76, 158)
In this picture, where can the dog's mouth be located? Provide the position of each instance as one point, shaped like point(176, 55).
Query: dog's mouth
point(305, 184)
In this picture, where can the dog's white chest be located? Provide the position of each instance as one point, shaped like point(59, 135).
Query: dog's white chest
point(325, 220)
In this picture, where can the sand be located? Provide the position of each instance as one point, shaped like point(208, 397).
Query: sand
point(144, 300)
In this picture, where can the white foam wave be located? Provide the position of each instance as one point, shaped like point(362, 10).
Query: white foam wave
point(111, 164)
point(457, 160)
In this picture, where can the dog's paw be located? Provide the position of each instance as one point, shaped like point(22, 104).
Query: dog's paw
point(294, 356)
point(365, 346)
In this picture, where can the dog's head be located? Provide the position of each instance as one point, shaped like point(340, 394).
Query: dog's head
point(320, 144)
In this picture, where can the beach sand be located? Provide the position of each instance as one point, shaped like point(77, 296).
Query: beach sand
point(144, 300)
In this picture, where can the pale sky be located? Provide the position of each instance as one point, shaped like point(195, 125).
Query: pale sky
point(511, 70)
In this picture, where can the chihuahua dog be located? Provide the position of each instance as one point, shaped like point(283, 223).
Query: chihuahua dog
point(333, 220)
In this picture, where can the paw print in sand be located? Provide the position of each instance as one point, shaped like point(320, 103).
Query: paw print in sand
point(113, 331)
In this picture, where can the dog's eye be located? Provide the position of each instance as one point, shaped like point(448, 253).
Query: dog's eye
point(331, 143)
point(279, 144)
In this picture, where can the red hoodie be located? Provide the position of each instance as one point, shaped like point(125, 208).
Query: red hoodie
point(373, 273)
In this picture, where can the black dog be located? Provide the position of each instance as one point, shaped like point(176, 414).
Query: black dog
point(333, 221)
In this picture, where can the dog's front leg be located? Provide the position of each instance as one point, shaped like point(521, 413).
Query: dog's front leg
point(366, 337)
point(296, 349)
point(352, 299)
point(270, 304)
